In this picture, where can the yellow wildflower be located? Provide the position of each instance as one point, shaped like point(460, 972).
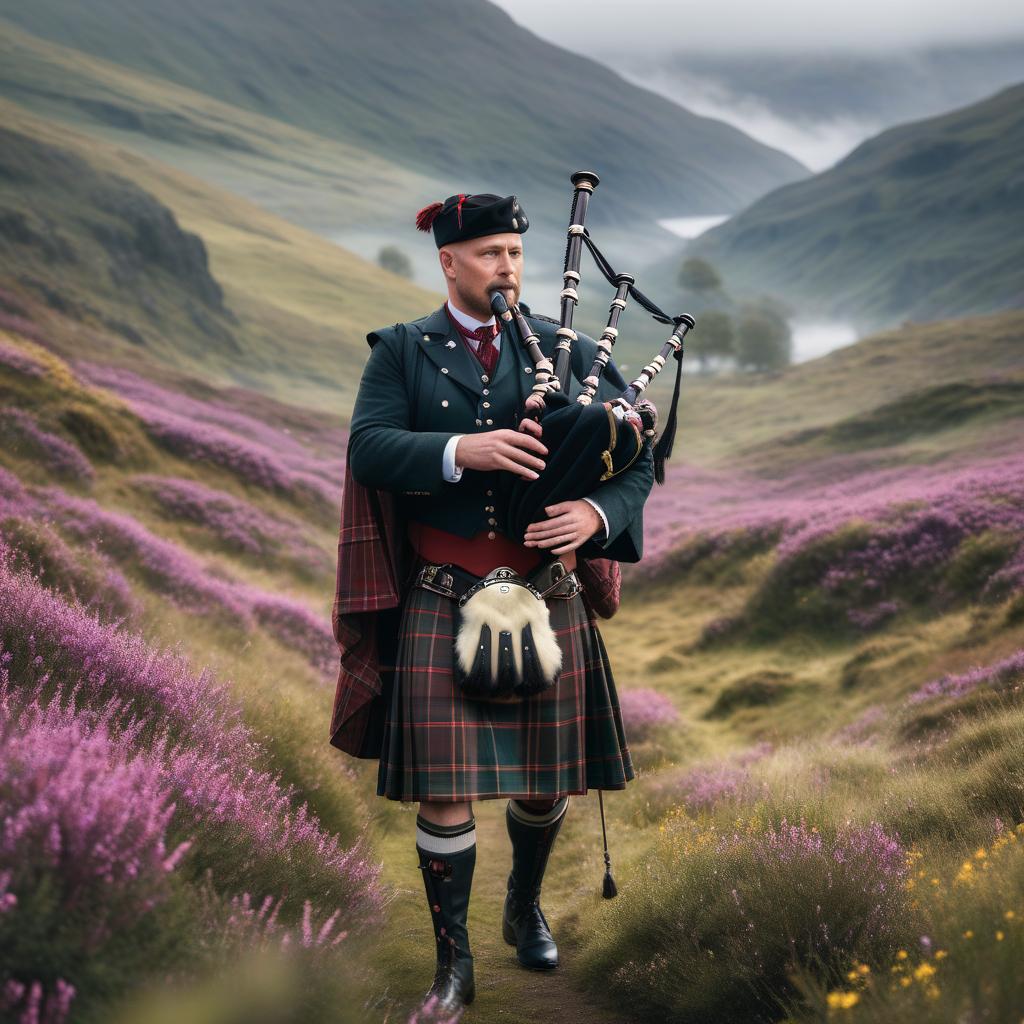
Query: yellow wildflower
point(901, 955)
point(940, 954)
point(932, 991)
point(999, 936)
point(904, 981)
point(968, 934)
point(840, 1000)
point(1009, 915)
point(980, 853)
point(863, 969)
point(923, 971)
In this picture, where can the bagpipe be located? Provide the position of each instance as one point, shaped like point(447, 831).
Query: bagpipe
point(588, 441)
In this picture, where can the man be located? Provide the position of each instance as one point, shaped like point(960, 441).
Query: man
point(437, 418)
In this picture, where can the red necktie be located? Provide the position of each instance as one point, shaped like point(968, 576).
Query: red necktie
point(486, 351)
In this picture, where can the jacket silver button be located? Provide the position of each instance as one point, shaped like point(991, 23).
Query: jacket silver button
point(444, 402)
point(490, 535)
point(484, 377)
point(489, 493)
point(487, 391)
point(489, 422)
point(487, 405)
point(444, 369)
point(492, 521)
point(527, 369)
point(426, 337)
point(479, 423)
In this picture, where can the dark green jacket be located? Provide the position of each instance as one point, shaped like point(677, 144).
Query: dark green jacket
point(408, 407)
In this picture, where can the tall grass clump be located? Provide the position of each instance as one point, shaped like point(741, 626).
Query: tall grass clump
point(718, 918)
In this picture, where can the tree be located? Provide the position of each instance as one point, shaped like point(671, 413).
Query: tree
point(697, 275)
point(713, 336)
point(392, 258)
point(763, 339)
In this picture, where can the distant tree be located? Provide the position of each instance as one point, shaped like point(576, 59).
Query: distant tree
point(763, 339)
point(713, 336)
point(392, 258)
point(697, 275)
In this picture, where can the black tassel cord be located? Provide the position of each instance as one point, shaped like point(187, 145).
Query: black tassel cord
point(608, 889)
point(663, 446)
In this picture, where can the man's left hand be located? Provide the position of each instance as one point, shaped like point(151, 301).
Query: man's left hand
point(569, 524)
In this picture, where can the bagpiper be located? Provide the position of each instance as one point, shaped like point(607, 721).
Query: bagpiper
point(435, 429)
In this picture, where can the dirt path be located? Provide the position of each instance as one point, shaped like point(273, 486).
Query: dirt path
point(506, 991)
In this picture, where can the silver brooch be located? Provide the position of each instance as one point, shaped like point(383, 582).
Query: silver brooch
point(451, 344)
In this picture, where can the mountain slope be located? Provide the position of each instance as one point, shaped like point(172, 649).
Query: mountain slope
point(122, 259)
point(920, 222)
point(517, 115)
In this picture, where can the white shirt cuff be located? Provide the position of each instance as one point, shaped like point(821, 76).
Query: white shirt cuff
point(451, 473)
point(604, 519)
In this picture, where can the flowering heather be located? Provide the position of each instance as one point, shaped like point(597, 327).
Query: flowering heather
point(259, 927)
point(917, 514)
point(183, 579)
point(862, 730)
point(20, 362)
point(239, 525)
point(34, 1005)
point(295, 626)
point(41, 633)
point(645, 710)
point(20, 432)
point(178, 574)
point(1000, 675)
point(88, 579)
point(244, 445)
point(208, 758)
point(83, 811)
point(14, 499)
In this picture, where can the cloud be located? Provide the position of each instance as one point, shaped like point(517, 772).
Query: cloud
point(738, 25)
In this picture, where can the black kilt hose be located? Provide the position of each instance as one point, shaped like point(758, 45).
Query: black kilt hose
point(441, 746)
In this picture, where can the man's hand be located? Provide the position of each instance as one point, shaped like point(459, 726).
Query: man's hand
point(504, 449)
point(569, 524)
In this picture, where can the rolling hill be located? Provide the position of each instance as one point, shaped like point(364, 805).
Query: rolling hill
point(377, 76)
point(124, 259)
point(919, 222)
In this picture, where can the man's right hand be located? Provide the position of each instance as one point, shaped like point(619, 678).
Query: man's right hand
point(504, 449)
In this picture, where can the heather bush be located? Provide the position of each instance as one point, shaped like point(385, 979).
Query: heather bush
point(209, 758)
point(715, 920)
point(89, 579)
point(177, 574)
point(84, 851)
point(18, 361)
point(645, 712)
point(21, 434)
point(295, 626)
point(964, 963)
point(236, 524)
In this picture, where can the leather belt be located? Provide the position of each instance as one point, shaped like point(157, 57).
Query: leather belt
point(548, 580)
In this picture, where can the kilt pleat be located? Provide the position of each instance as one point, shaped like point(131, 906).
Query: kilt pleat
point(439, 745)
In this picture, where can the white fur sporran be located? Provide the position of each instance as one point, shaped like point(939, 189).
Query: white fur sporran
point(505, 648)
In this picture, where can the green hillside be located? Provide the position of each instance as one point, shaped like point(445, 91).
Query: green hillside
point(162, 270)
point(318, 183)
point(919, 222)
point(378, 76)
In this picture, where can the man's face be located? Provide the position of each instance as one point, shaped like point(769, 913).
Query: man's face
point(477, 267)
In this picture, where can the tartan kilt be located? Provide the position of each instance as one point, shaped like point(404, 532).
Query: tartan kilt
point(439, 745)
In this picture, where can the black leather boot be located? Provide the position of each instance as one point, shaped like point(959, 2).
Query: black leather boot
point(523, 923)
point(448, 879)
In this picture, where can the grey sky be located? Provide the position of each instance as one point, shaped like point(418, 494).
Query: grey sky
point(598, 25)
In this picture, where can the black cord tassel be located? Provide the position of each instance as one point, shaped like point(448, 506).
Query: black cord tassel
point(663, 448)
point(608, 890)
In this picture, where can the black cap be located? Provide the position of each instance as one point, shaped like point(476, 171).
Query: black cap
point(464, 216)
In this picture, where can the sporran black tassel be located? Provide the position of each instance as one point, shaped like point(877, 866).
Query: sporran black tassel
point(608, 889)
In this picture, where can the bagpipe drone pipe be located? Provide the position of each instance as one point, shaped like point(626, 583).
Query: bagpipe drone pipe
point(588, 441)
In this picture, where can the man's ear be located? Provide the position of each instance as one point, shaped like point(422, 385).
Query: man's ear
point(447, 259)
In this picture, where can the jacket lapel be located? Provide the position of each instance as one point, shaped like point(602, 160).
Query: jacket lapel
point(461, 365)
